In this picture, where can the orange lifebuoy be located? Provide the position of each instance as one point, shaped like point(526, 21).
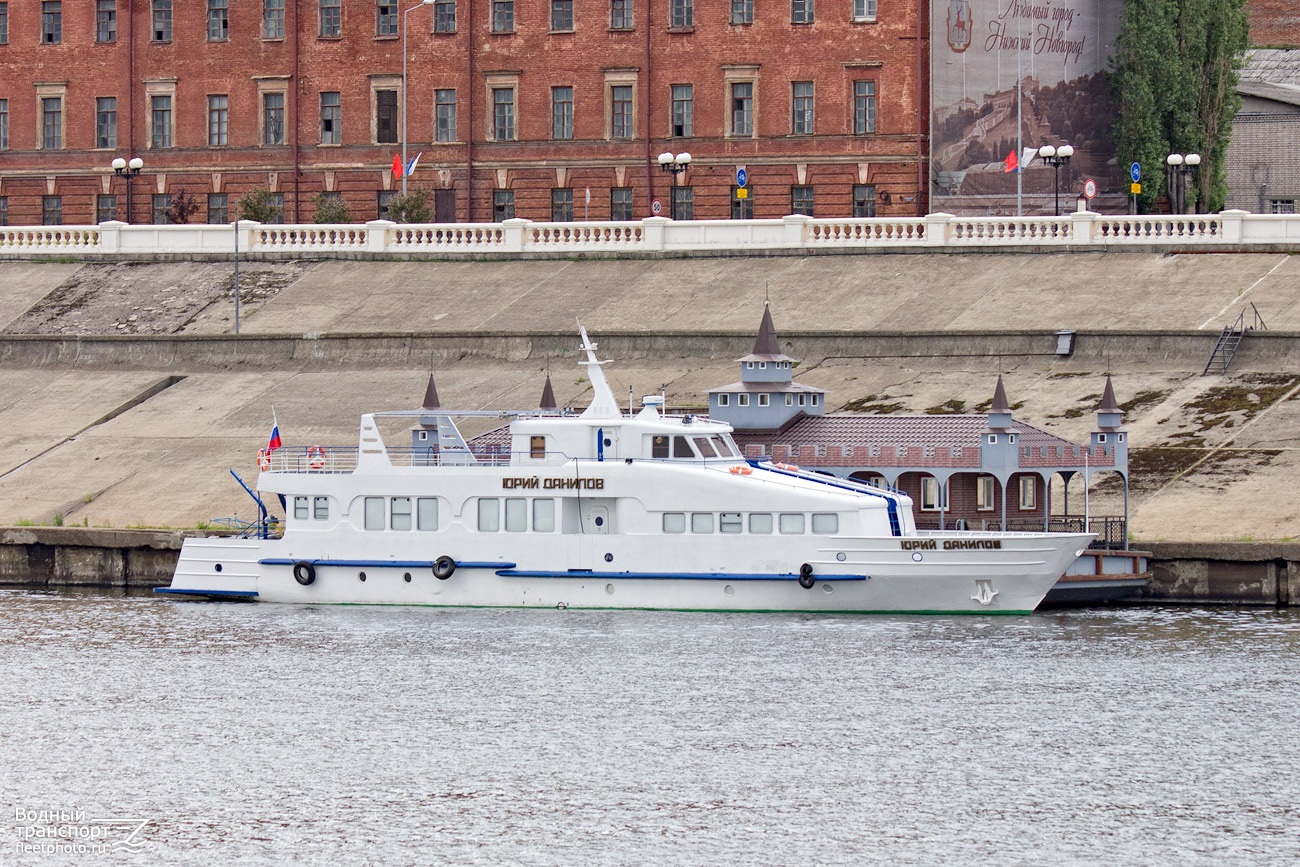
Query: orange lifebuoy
point(741, 471)
point(316, 457)
point(791, 467)
point(264, 460)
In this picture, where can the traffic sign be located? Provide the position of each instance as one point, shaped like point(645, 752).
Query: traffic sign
point(655, 207)
point(1135, 172)
point(741, 177)
point(742, 193)
point(1135, 189)
point(1089, 188)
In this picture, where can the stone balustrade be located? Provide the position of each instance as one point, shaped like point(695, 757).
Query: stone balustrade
point(1226, 230)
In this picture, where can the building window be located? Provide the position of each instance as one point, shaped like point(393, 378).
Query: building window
point(562, 15)
point(386, 117)
point(742, 399)
point(162, 205)
point(931, 491)
point(273, 118)
point(105, 208)
point(105, 21)
point(162, 21)
point(4, 27)
point(742, 108)
point(801, 118)
point(765, 400)
point(444, 16)
point(683, 203)
point(863, 10)
point(503, 114)
point(51, 22)
point(160, 119)
point(682, 13)
point(331, 118)
point(801, 11)
point(724, 399)
point(620, 108)
point(562, 205)
point(742, 11)
point(1028, 492)
point(985, 493)
point(4, 124)
point(503, 16)
point(683, 110)
point(864, 200)
point(742, 206)
point(801, 199)
point(106, 122)
point(331, 19)
point(52, 210)
point(218, 20)
point(561, 112)
point(382, 201)
point(4, 210)
point(1281, 206)
point(445, 115)
point(503, 205)
point(218, 120)
point(620, 15)
point(272, 19)
point(620, 203)
point(386, 18)
point(218, 208)
point(52, 122)
point(864, 107)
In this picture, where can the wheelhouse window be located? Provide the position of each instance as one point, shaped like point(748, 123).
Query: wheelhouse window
point(489, 515)
point(399, 513)
point(426, 513)
point(730, 522)
point(516, 514)
point(682, 448)
point(701, 522)
point(760, 523)
point(321, 508)
point(301, 508)
point(537, 447)
point(825, 523)
point(544, 515)
point(374, 513)
point(792, 523)
point(674, 522)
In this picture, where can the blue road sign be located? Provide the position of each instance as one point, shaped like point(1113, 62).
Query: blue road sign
point(1135, 172)
point(741, 177)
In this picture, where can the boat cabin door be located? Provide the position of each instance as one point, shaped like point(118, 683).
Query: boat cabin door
point(595, 518)
point(606, 444)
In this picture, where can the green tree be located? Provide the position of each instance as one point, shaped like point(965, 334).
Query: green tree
point(330, 209)
point(258, 205)
point(413, 207)
point(1177, 66)
point(182, 207)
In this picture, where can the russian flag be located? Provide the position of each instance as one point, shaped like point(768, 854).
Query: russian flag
point(274, 443)
point(1010, 164)
point(415, 161)
point(397, 167)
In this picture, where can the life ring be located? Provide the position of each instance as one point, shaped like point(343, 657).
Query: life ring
point(741, 471)
point(264, 460)
point(304, 573)
point(791, 467)
point(315, 457)
point(806, 579)
point(443, 567)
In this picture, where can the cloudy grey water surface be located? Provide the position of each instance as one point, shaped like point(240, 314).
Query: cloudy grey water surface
point(265, 734)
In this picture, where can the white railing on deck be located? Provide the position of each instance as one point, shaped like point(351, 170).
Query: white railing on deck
point(660, 235)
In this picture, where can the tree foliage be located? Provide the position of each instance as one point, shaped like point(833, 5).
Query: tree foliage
point(1177, 68)
point(330, 209)
point(413, 207)
point(183, 206)
point(258, 205)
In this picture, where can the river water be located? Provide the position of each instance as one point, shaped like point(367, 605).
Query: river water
point(215, 734)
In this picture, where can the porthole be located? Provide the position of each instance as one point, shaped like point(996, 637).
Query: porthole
point(841, 556)
point(729, 590)
point(600, 522)
point(609, 589)
point(361, 576)
point(916, 555)
point(609, 558)
point(826, 588)
point(406, 576)
point(217, 567)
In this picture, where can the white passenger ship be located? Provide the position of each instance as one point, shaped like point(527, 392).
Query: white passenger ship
point(605, 509)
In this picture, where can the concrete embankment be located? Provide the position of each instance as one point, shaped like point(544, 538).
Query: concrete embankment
point(1233, 573)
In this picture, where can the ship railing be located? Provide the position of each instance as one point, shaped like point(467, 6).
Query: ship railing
point(344, 459)
point(1111, 530)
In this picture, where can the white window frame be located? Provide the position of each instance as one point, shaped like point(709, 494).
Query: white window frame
point(1028, 493)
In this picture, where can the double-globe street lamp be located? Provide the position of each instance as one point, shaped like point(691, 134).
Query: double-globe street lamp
point(1056, 157)
point(406, 12)
point(1180, 167)
point(128, 170)
point(677, 164)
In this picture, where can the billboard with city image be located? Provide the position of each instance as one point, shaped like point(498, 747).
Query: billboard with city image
point(1043, 63)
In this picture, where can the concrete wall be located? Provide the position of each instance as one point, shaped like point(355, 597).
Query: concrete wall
point(1228, 573)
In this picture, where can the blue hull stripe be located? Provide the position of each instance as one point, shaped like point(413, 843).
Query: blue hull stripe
point(235, 594)
point(674, 576)
point(895, 527)
point(380, 564)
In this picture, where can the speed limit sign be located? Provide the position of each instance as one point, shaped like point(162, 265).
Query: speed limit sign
point(1089, 188)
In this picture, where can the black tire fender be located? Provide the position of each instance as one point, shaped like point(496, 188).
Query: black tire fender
point(304, 573)
point(806, 578)
point(444, 567)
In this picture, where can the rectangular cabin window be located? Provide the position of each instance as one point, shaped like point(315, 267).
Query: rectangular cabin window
point(374, 513)
point(516, 515)
point(760, 523)
point(399, 513)
point(322, 508)
point(544, 515)
point(659, 447)
point(704, 448)
point(764, 399)
point(825, 523)
point(724, 447)
point(682, 448)
point(730, 522)
point(792, 523)
point(1028, 492)
point(742, 400)
point(701, 522)
point(426, 513)
point(724, 399)
point(789, 400)
point(984, 493)
point(801, 399)
point(301, 509)
point(489, 515)
point(537, 447)
point(812, 399)
point(674, 522)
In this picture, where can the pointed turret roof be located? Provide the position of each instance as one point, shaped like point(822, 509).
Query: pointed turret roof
point(1108, 402)
point(1000, 398)
point(431, 396)
point(766, 347)
point(548, 395)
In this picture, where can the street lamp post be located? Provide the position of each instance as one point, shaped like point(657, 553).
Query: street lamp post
point(128, 170)
point(406, 12)
point(677, 164)
point(1056, 157)
point(1180, 166)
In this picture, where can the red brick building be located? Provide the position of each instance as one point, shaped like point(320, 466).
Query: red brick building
point(519, 107)
point(1274, 23)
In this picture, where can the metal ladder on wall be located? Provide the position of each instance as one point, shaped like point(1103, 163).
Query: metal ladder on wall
point(1230, 339)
